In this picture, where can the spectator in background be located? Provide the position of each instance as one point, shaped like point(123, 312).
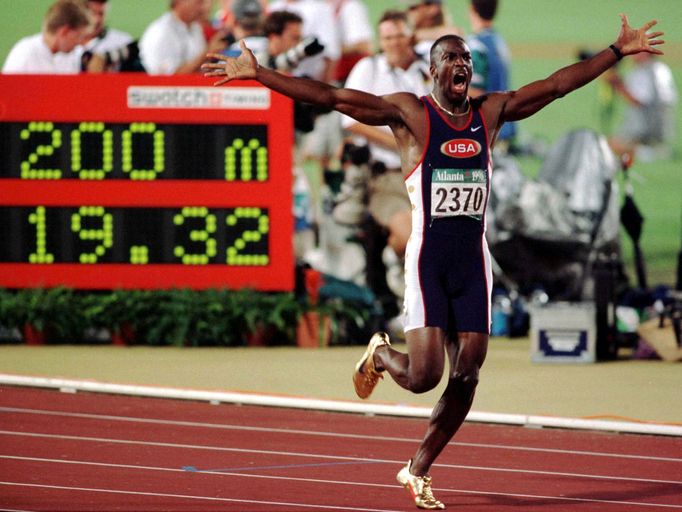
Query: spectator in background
point(224, 19)
point(175, 43)
point(429, 21)
point(56, 49)
point(277, 43)
point(247, 24)
point(207, 20)
point(397, 68)
point(648, 127)
point(103, 38)
point(118, 48)
point(356, 38)
point(283, 30)
point(320, 145)
point(318, 21)
point(280, 45)
point(491, 60)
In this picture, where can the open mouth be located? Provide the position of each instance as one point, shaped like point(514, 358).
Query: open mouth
point(460, 80)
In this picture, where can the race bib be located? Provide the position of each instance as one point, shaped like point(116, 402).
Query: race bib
point(456, 192)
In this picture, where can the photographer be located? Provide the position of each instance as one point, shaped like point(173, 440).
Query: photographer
point(276, 41)
point(281, 47)
point(118, 49)
point(56, 49)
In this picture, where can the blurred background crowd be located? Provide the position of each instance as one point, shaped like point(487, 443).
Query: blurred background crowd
point(351, 210)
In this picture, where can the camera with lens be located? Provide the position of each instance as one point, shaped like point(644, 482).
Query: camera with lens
point(124, 58)
point(288, 60)
point(355, 154)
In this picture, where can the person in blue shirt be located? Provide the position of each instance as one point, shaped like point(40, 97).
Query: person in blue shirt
point(491, 59)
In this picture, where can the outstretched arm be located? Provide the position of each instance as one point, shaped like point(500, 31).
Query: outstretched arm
point(529, 99)
point(364, 107)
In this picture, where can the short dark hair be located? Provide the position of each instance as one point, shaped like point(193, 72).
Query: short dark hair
point(486, 9)
point(441, 39)
point(394, 16)
point(277, 21)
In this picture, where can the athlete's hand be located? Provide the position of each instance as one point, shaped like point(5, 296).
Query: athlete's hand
point(241, 68)
point(632, 40)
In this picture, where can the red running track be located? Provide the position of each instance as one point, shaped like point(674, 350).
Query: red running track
point(91, 452)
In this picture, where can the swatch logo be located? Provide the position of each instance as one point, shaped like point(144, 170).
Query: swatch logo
point(461, 148)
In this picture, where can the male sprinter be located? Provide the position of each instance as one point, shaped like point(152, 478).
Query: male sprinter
point(445, 140)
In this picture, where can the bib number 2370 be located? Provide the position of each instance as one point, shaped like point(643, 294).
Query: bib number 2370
point(457, 192)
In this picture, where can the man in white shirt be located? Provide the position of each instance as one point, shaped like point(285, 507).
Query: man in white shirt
point(55, 50)
point(398, 68)
point(175, 43)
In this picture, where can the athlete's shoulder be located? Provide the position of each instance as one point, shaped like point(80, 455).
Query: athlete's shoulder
point(489, 99)
point(404, 100)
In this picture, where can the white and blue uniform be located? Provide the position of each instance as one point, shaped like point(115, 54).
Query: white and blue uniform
point(448, 272)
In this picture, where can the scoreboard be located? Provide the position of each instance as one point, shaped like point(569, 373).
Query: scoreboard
point(132, 181)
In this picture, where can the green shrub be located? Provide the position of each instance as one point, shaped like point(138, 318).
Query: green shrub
point(179, 317)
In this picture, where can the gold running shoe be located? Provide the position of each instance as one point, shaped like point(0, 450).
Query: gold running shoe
point(365, 376)
point(419, 488)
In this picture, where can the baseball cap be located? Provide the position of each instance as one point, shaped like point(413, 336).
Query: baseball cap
point(246, 8)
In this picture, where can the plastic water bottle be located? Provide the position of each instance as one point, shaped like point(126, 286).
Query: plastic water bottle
point(303, 204)
point(500, 315)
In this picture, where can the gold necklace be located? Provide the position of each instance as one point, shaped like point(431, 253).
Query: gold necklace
point(453, 114)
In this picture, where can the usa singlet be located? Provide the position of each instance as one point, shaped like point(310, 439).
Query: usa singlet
point(448, 274)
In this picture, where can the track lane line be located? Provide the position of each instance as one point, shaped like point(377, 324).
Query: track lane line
point(334, 482)
point(191, 497)
point(336, 457)
point(326, 434)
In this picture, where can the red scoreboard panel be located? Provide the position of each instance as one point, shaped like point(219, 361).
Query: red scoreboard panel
point(132, 181)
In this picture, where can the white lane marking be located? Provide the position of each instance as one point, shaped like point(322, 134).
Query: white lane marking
point(326, 434)
point(191, 497)
point(458, 491)
point(333, 457)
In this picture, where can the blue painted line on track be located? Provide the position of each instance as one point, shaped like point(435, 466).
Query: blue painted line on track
point(194, 469)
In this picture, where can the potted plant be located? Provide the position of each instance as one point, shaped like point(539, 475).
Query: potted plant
point(212, 318)
point(329, 303)
point(10, 324)
point(50, 314)
point(116, 311)
point(167, 320)
point(273, 316)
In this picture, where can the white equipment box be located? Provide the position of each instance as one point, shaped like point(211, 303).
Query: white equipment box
point(563, 332)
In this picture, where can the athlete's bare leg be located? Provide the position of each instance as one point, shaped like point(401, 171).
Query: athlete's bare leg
point(421, 369)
